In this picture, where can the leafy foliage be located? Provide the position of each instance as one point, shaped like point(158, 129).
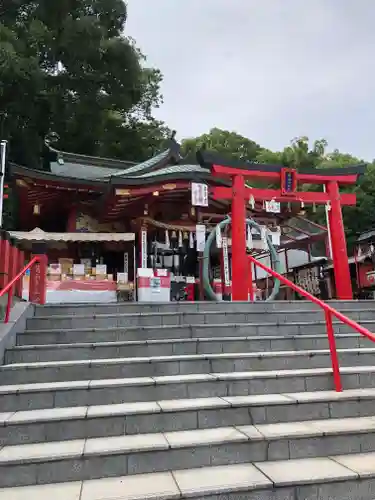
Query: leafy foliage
point(299, 154)
point(66, 67)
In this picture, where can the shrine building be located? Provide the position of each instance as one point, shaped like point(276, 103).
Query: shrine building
point(102, 220)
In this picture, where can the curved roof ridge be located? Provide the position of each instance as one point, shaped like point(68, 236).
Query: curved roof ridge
point(90, 160)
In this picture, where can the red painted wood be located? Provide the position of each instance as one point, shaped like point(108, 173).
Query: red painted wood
point(4, 262)
point(338, 242)
point(220, 170)
point(319, 198)
point(239, 267)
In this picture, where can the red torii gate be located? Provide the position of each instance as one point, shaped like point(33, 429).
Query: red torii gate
point(289, 180)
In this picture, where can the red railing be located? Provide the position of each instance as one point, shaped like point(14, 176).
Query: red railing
point(9, 287)
point(329, 311)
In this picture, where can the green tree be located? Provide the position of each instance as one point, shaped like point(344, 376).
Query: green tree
point(64, 67)
point(228, 144)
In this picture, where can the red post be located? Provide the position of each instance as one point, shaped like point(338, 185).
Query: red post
point(332, 348)
point(251, 284)
point(338, 243)
point(4, 259)
point(13, 261)
point(240, 273)
point(20, 265)
point(38, 280)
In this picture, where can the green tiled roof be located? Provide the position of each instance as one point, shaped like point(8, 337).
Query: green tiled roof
point(174, 169)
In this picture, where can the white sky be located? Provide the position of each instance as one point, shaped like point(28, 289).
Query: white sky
point(268, 69)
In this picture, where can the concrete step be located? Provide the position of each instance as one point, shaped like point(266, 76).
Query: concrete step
point(91, 458)
point(80, 422)
point(112, 368)
point(340, 477)
point(181, 318)
point(113, 391)
point(169, 347)
point(74, 309)
point(124, 334)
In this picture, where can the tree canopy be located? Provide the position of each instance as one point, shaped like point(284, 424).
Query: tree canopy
point(298, 154)
point(67, 67)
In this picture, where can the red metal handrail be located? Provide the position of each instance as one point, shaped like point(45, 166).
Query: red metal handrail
point(329, 312)
point(9, 286)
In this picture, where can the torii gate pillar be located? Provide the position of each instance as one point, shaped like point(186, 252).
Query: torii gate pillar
point(341, 268)
point(240, 266)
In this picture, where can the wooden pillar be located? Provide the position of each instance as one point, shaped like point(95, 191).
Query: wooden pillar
point(13, 260)
point(4, 258)
point(72, 220)
point(38, 275)
point(338, 243)
point(20, 266)
point(240, 267)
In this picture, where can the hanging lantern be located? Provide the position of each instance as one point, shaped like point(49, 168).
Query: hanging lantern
point(174, 235)
point(186, 235)
point(36, 209)
point(192, 211)
point(180, 244)
point(252, 202)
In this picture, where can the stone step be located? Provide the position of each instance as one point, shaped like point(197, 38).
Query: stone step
point(91, 458)
point(181, 318)
point(117, 334)
point(340, 477)
point(33, 426)
point(112, 391)
point(112, 368)
point(169, 347)
point(74, 309)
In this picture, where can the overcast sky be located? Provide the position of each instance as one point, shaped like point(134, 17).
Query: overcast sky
point(268, 69)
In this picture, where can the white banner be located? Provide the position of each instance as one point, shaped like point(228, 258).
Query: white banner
point(126, 262)
point(144, 249)
point(226, 261)
point(200, 231)
point(219, 240)
point(199, 194)
point(191, 240)
point(249, 238)
point(275, 236)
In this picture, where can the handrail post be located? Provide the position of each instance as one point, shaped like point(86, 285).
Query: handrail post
point(4, 260)
point(333, 350)
point(251, 285)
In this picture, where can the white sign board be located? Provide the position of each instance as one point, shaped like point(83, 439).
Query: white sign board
point(143, 249)
point(200, 230)
point(101, 269)
point(199, 194)
point(79, 269)
point(155, 285)
point(54, 269)
point(219, 239)
point(272, 206)
point(226, 261)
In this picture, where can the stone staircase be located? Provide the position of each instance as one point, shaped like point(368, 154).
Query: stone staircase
point(227, 401)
